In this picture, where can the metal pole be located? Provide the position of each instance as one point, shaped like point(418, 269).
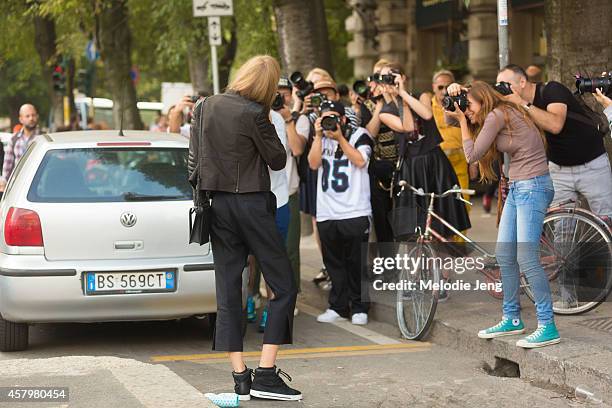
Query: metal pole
point(215, 68)
point(502, 33)
point(504, 52)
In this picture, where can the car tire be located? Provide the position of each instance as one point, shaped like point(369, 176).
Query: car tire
point(13, 336)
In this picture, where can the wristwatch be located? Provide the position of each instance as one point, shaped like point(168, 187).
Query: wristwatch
point(295, 115)
point(528, 105)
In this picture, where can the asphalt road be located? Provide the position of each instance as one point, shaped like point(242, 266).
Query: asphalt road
point(333, 365)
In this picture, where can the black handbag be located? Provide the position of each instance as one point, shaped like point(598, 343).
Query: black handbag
point(200, 220)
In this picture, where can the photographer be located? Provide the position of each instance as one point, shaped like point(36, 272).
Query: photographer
point(606, 103)
point(384, 156)
point(322, 89)
point(424, 165)
point(179, 115)
point(576, 150)
point(341, 152)
point(491, 124)
point(451, 136)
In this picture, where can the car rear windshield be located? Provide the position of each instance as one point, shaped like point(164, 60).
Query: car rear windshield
point(111, 175)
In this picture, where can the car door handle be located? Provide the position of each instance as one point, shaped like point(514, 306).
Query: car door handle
point(127, 245)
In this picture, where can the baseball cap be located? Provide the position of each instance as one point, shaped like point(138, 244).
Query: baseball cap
point(325, 83)
point(283, 82)
point(332, 106)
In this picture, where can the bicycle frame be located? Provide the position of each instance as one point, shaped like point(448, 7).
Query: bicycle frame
point(430, 232)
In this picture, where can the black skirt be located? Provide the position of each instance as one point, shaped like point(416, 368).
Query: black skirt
point(434, 174)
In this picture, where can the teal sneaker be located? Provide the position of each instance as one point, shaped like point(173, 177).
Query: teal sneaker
point(507, 327)
point(544, 335)
point(251, 314)
point(263, 321)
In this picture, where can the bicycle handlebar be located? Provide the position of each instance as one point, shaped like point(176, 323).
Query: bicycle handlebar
point(455, 190)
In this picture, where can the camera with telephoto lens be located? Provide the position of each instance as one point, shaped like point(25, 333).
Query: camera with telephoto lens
point(503, 88)
point(316, 99)
point(330, 122)
point(362, 89)
point(278, 102)
point(604, 83)
point(304, 87)
point(448, 102)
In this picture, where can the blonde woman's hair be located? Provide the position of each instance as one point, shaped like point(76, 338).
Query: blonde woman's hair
point(321, 72)
point(380, 64)
point(257, 80)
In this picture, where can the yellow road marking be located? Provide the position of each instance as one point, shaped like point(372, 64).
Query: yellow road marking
point(309, 352)
point(342, 354)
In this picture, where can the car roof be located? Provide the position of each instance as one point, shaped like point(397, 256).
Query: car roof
point(112, 136)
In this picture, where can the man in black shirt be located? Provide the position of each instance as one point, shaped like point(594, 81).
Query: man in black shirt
point(578, 162)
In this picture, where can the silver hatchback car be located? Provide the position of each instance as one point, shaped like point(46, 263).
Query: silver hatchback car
point(95, 228)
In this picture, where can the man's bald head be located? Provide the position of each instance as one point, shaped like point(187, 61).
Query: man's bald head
point(28, 116)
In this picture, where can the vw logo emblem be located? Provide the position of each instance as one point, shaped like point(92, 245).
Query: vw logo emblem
point(128, 219)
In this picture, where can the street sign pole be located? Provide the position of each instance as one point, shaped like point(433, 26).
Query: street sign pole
point(215, 68)
point(213, 10)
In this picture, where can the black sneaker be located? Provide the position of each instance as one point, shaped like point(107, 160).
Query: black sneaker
point(243, 383)
point(267, 384)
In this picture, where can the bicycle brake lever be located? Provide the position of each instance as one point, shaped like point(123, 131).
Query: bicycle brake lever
point(460, 198)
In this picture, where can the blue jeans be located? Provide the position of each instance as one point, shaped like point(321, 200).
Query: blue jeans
point(518, 245)
point(282, 221)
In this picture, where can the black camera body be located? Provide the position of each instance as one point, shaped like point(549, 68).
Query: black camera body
point(278, 102)
point(330, 123)
point(503, 88)
point(304, 87)
point(448, 102)
point(362, 89)
point(316, 99)
point(387, 79)
point(586, 85)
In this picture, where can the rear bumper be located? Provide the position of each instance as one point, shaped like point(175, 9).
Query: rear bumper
point(55, 295)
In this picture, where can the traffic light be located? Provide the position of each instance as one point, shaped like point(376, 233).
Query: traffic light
point(59, 79)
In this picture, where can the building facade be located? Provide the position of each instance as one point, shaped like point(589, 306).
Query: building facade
point(427, 35)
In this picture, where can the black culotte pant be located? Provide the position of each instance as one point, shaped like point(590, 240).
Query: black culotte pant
point(242, 224)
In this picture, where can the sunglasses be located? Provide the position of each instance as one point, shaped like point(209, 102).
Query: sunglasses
point(442, 87)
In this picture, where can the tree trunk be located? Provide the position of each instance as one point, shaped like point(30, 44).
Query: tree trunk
point(44, 40)
point(114, 40)
point(579, 37)
point(198, 70)
point(226, 62)
point(302, 31)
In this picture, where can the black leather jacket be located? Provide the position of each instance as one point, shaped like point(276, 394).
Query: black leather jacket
point(232, 144)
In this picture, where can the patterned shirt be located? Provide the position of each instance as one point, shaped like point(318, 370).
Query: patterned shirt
point(12, 154)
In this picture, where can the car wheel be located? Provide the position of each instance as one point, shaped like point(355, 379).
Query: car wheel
point(13, 336)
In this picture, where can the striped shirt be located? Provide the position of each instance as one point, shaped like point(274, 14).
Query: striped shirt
point(12, 153)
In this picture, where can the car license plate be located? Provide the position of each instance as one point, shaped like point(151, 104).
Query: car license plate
point(130, 282)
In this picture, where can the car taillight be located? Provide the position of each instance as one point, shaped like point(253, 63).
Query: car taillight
point(22, 228)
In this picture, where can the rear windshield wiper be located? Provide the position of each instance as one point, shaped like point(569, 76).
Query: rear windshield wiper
point(131, 196)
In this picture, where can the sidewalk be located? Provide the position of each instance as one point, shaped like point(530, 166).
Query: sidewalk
point(102, 382)
point(583, 358)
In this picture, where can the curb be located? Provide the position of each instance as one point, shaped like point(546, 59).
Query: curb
point(570, 364)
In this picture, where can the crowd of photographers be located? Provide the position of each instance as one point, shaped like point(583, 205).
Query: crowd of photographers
point(345, 155)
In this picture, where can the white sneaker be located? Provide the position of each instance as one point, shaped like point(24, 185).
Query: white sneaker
point(329, 316)
point(360, 319)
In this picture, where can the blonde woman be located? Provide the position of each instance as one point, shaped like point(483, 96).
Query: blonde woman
point(490, 125)
point(229, 158)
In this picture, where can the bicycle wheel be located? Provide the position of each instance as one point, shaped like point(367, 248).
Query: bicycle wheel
point(416, 308)
point(576, 253)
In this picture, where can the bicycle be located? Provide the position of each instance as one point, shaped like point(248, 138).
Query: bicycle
point(415, 309)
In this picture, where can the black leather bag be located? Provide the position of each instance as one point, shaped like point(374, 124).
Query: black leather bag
point(200, 220)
